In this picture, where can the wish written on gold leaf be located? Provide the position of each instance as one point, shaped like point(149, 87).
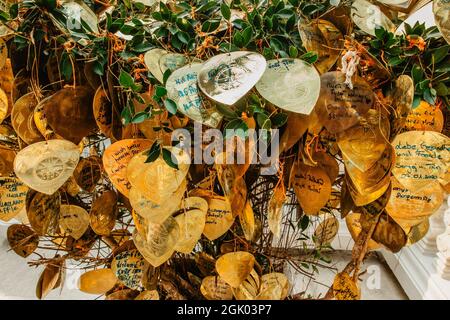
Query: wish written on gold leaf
point(192, 150)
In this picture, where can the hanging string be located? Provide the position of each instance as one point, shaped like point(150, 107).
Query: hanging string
point(350, 61)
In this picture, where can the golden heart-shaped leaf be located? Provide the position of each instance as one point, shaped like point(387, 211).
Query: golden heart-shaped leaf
point(410, 208)
point(12, 197)
point(353, 223)
point(102, 110)
point(158, 245)
point(227, 77)
point(422, 157)
point(345, 288)
point(157, 180)
point(274, 286)
point(324, 38)
point(425, 117)
point(402, 97)
point(182, 88)
point(441, 10)
point(45, 166)
point(249, 289)
point(389, 233)
point(340, 107)
point(290, 84)
point(219, 218)
point(148, 295)
point(97, 281)
point(247, 220)
point(88, 172)
point(154, 212)
point(116, 158)
point(43, 211)
point(368, 16)
point(191, 225)
point(364, 144)
point(6, 161)
point(22, 239)
point(235, 267)
point(73, 220)
point(22, 118)
point(312, 187)
point(151, 59)
point(417, 232)
point(275, 210)
point(214, 288)
point(377, 206)
point(3, 53)
point(49, 279)
point(326, 231)
point(296, 126)
point(129, 267)
point(103, 213)
point(69, 112)
point(328, 163)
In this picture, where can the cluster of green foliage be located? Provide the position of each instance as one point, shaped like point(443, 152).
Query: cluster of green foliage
point(420, 53)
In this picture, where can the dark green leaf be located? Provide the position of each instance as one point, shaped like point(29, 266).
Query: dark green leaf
point(126, 115)
point(304, 222)
point(293, 52)
point(225, 10)
point(160, 91)
point(263, 121)
point(417, 73)
point(140, 117)
point(279, 119)
point(154, 152)
point(170, 105)
point(125, 79)
point(167, 156)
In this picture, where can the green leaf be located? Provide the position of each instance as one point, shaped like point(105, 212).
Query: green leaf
point(167, 156)
point(379, 32)
point(14, 10)
point(440, 53)
point(126, 115)
point(210, 25)
point(394, 61)
point(429, 95)
point(170, 105)
point(276, 44)
point(441, 89)
point(238, 39)
point(154, 152)
point(225, 111)
point(279, 119)
point(166, 75)
point(304, 222)
point(125, 79)
point(160, 91)
point(183, 37)
point(225, 10)
point(310, 57)
point(247, 35)
point(140, 117)
point(416, 101)
point(293, 52)
point(66, 66)
point(263, 121)
point(417, 73)
point(236, 127)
